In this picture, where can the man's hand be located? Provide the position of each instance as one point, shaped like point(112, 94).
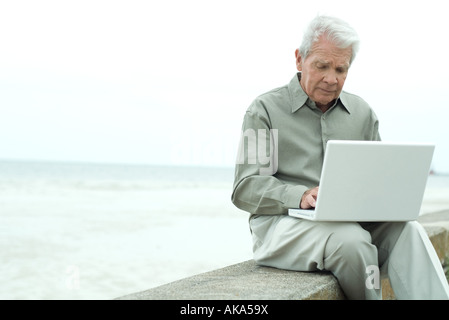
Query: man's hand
point(308, 199)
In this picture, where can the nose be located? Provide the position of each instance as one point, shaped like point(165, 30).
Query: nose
point(331, 78)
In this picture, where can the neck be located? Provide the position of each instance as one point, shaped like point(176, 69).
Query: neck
point(325, 107)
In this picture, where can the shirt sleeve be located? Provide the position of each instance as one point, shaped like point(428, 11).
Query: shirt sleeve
point(375, 134)
point(256, 188)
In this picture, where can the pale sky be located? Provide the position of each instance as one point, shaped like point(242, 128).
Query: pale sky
point(168, 82)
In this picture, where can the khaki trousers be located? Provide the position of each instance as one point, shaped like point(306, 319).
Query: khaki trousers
point(401, 250)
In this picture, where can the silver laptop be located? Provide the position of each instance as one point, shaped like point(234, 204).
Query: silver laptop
point(371, 181)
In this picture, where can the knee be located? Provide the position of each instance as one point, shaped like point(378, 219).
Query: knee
point(413, 226)
point(349, 243)
point(414, 230)
point(408, 228)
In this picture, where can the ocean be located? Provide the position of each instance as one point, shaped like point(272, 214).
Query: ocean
point(101, 231)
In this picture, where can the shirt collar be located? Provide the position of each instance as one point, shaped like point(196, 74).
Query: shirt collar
point(298, 98)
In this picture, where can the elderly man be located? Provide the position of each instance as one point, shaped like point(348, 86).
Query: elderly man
point(295, 122)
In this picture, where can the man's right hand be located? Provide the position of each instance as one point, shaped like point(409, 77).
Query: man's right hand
point(308, 199)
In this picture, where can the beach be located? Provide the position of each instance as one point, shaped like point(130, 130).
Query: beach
point(93, 231)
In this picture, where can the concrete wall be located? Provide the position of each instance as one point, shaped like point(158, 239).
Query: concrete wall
point(248, 281)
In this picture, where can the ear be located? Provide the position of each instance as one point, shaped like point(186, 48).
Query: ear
point(298, 60)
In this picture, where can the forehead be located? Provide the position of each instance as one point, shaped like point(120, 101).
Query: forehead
point(325, 51)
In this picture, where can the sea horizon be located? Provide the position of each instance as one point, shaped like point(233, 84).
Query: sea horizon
point(144, 164)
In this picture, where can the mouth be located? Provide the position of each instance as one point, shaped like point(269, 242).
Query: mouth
point(327, 91)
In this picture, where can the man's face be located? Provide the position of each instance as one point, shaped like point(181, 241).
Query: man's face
point(324, 71)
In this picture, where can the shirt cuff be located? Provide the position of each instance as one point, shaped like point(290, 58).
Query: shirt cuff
point(292, 197)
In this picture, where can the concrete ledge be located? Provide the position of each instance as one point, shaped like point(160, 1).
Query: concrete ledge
point(248, 281)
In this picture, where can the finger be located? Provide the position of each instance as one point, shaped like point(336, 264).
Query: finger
point(311, 200)
point(313, 195)
point(308, 199)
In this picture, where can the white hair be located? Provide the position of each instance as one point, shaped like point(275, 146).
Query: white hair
point(336, 30)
